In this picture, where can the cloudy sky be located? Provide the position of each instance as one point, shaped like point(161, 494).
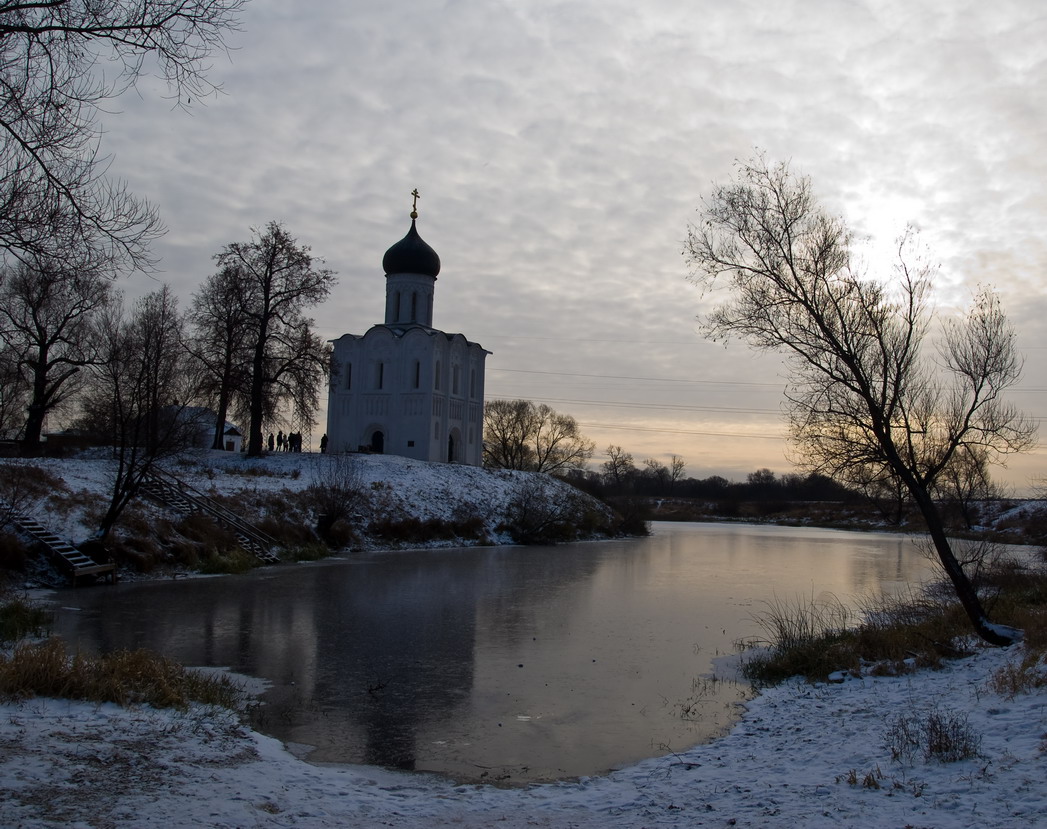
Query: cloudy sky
point(561, 148)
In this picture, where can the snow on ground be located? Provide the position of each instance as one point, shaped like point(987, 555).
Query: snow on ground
point(798, 757)
point(400, 486)
point(787, 763)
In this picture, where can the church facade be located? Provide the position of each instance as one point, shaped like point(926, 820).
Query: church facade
point(404, 387)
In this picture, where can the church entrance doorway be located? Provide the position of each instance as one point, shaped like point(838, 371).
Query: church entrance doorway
point(378, 443)
point(454, 440)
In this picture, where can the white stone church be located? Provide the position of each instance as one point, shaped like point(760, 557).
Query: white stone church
point(404, 387)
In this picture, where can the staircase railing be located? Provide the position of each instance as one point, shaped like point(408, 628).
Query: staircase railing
point(178, 495)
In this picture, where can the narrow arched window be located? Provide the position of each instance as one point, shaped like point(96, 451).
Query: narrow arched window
point(380, 379)
point(417, 374)
point(436, 384)
point(396, 316)
point(348, 376)
point(414, 307)
point(472, 384)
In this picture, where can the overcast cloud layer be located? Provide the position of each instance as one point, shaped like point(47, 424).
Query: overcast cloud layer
point(561, 148)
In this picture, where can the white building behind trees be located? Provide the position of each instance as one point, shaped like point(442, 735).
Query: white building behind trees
point(404, 387)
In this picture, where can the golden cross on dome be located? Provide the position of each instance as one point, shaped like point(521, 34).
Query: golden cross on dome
point(414, 206)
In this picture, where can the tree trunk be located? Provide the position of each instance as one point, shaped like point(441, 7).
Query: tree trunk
point(34, 423)
point(219, 426)
point(254, 440)
point(993, 634)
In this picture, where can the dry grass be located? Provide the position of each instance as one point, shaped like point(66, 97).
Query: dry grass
point(20, 617)
point(1021, 677)
point(815, 639)
point(21, 480)
point(124, 677)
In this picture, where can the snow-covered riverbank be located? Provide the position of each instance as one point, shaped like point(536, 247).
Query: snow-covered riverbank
point(799, 757)
point(810, 756)
point(394, 502)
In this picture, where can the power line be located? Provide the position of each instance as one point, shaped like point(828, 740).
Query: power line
point(617, 426)
point(646, 379)
point(666, 407)
point(477, 336)
point(490, 336)
point(778, 385)
point(676, 407)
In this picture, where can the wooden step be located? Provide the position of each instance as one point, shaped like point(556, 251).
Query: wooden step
point(78, 564)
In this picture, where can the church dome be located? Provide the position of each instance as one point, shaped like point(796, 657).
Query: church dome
point(412, 255)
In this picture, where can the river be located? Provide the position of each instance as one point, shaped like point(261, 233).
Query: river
point(507, 664)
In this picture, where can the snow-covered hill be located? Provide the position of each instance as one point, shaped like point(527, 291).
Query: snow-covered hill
point(395, 501)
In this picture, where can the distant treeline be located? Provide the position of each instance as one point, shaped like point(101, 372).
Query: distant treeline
point(762, 485)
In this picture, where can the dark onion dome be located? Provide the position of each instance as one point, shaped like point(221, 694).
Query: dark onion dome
point(412, 255)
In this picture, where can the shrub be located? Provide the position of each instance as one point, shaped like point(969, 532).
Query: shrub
point(141, 554)
point(412, 530)
point(634, 515)
point(340, 535)
point(471, 527)
point(945, 736)
point(204, 530)
point(306, 552)
point(536, 516)
point(229, 562)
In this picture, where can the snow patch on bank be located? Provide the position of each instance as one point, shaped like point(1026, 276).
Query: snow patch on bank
point(787, 763)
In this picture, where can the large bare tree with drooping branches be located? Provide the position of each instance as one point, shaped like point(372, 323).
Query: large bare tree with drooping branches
point(866, 401)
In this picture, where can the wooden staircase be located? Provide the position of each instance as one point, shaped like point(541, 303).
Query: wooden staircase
point(170, 492)
point(75, 564)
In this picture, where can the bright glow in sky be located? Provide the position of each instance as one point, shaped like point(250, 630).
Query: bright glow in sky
point(561, 148)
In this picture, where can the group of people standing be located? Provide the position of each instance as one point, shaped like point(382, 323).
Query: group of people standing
point(291, 442)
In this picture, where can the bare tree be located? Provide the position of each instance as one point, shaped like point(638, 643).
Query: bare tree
point(60, 62)
point(619, 466)
point(965, 482)
point(506, 423)
point(677, 466)
point(657, 475)
point(140, 394)
point(557, 443)
point(864, 400)
point(48, 319)
point(521, 435)
point(277, 280)
point(221, 345)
